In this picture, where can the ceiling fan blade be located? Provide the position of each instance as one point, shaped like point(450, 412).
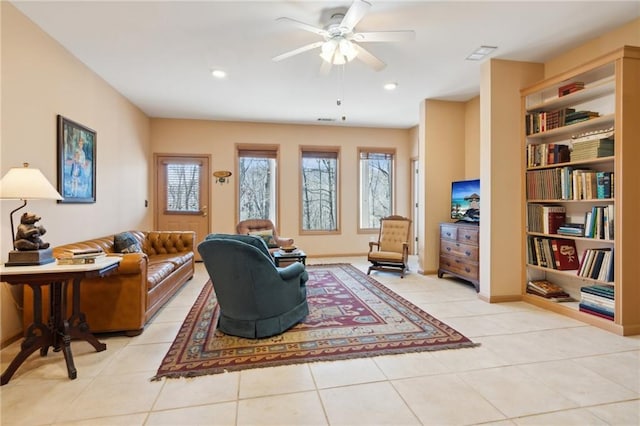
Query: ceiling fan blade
point(297, 51)
point(368, 58)
point(304, 26)
point(355, 13)
point(384, 36)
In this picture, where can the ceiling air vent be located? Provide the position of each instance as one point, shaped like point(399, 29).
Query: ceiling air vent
point(326, 119)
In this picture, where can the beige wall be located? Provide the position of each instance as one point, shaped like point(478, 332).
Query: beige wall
point(219, 139)
point(442, 157)
point(628, 34)
point(501, 159)
point(40, 79)
point(472, 139)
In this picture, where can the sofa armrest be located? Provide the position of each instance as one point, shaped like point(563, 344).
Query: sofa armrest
point(132, 263)
point(167, 242)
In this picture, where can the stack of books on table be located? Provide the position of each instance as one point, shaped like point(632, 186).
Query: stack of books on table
point(598, 300)
point(80, 256)
point(549, 291)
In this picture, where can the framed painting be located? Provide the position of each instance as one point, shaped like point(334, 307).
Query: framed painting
point(76, 162)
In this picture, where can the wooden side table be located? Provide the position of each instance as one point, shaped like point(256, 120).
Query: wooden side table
point(284, 258)
point(59, 330)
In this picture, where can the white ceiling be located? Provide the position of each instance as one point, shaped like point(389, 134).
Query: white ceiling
point(159, 54)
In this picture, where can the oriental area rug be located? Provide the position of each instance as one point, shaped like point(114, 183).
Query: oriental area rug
point(351, 315)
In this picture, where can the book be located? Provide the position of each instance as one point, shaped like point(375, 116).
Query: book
point(565, 254)
point(545, 287)
point(76, 252)
point(570, 88)
point(77, 260)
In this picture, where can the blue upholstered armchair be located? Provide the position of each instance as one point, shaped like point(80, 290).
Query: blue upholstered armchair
point(256, 298)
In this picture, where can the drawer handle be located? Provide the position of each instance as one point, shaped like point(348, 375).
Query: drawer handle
point(467, 237)
point(448, 234)
point(467, 269)
point(468, 253)
point(448, 249)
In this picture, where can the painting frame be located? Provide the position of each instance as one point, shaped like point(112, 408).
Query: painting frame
point(76, 162)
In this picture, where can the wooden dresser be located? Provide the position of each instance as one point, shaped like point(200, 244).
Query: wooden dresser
point(459, 251)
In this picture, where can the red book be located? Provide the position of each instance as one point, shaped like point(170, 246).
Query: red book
point(565, 254)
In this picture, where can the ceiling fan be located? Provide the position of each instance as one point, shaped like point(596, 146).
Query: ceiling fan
point(341, 41)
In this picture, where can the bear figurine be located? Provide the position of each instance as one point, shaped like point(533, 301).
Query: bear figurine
point(28, 235)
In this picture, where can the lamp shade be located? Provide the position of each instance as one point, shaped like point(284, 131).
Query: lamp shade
point(25, 183)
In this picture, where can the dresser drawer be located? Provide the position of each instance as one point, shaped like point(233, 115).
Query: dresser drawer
point(458, 266)
point(448, 232)
point(468, 235)
point(466, 251)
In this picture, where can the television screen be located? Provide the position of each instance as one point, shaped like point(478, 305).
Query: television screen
point(465, 200)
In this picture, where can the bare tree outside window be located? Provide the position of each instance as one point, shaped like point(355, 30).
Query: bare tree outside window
point(376, 188)
point(319, 191)
point(183, 187)
point(257, 194)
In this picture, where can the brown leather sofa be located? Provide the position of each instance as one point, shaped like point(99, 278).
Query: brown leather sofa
point(125, 300)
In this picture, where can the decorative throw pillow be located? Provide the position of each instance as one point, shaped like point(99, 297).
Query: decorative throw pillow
point(267, 236)
point(125, 242)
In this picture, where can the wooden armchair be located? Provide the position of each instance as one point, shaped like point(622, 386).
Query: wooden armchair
point(392, 247)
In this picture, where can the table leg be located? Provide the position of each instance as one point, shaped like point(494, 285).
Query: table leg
point(78, 327)
point(38, 336)
point(63, 329)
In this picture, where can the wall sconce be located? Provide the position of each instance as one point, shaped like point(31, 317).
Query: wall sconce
point(222, 176)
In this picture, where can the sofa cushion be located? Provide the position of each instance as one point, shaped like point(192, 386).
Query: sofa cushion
point(157, 271)
point(125, 242)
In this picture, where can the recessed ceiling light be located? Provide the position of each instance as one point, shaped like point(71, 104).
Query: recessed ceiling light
point(390, 86)
point(480, 53)
point(218, 73)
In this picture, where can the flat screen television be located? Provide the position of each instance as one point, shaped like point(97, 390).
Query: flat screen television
point(465, 200)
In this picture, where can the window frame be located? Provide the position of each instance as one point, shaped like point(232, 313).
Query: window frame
point(375, 150)
point(326, 151)
point(258, 150)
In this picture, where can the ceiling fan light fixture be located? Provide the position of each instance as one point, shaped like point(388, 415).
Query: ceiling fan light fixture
point(338, 51)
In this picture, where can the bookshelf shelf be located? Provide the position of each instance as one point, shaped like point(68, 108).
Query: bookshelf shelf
point(591, 162)
point(572, 237)
point(571, 129)
point(595, 90)
point(611, 91)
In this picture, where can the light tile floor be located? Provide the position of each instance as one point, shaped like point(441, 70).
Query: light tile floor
point(533, 368)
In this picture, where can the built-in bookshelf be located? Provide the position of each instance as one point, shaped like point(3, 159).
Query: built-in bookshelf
point(581, 146)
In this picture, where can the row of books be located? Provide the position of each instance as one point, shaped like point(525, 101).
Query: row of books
point(597, 264)
point(599, 222)
point(80, 256)
point(538, 122)
point(545, 218)
point(598, 300)
point(547, 153)
point(568, 183)
point(543, 121)
point(553, 253)
point(549, 291)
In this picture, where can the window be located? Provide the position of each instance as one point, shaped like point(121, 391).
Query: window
point(183, 187)
point(257, 183)
point(319, 185)
point(376, 186)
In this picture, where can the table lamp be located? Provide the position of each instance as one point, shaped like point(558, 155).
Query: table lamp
point(25, 183)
